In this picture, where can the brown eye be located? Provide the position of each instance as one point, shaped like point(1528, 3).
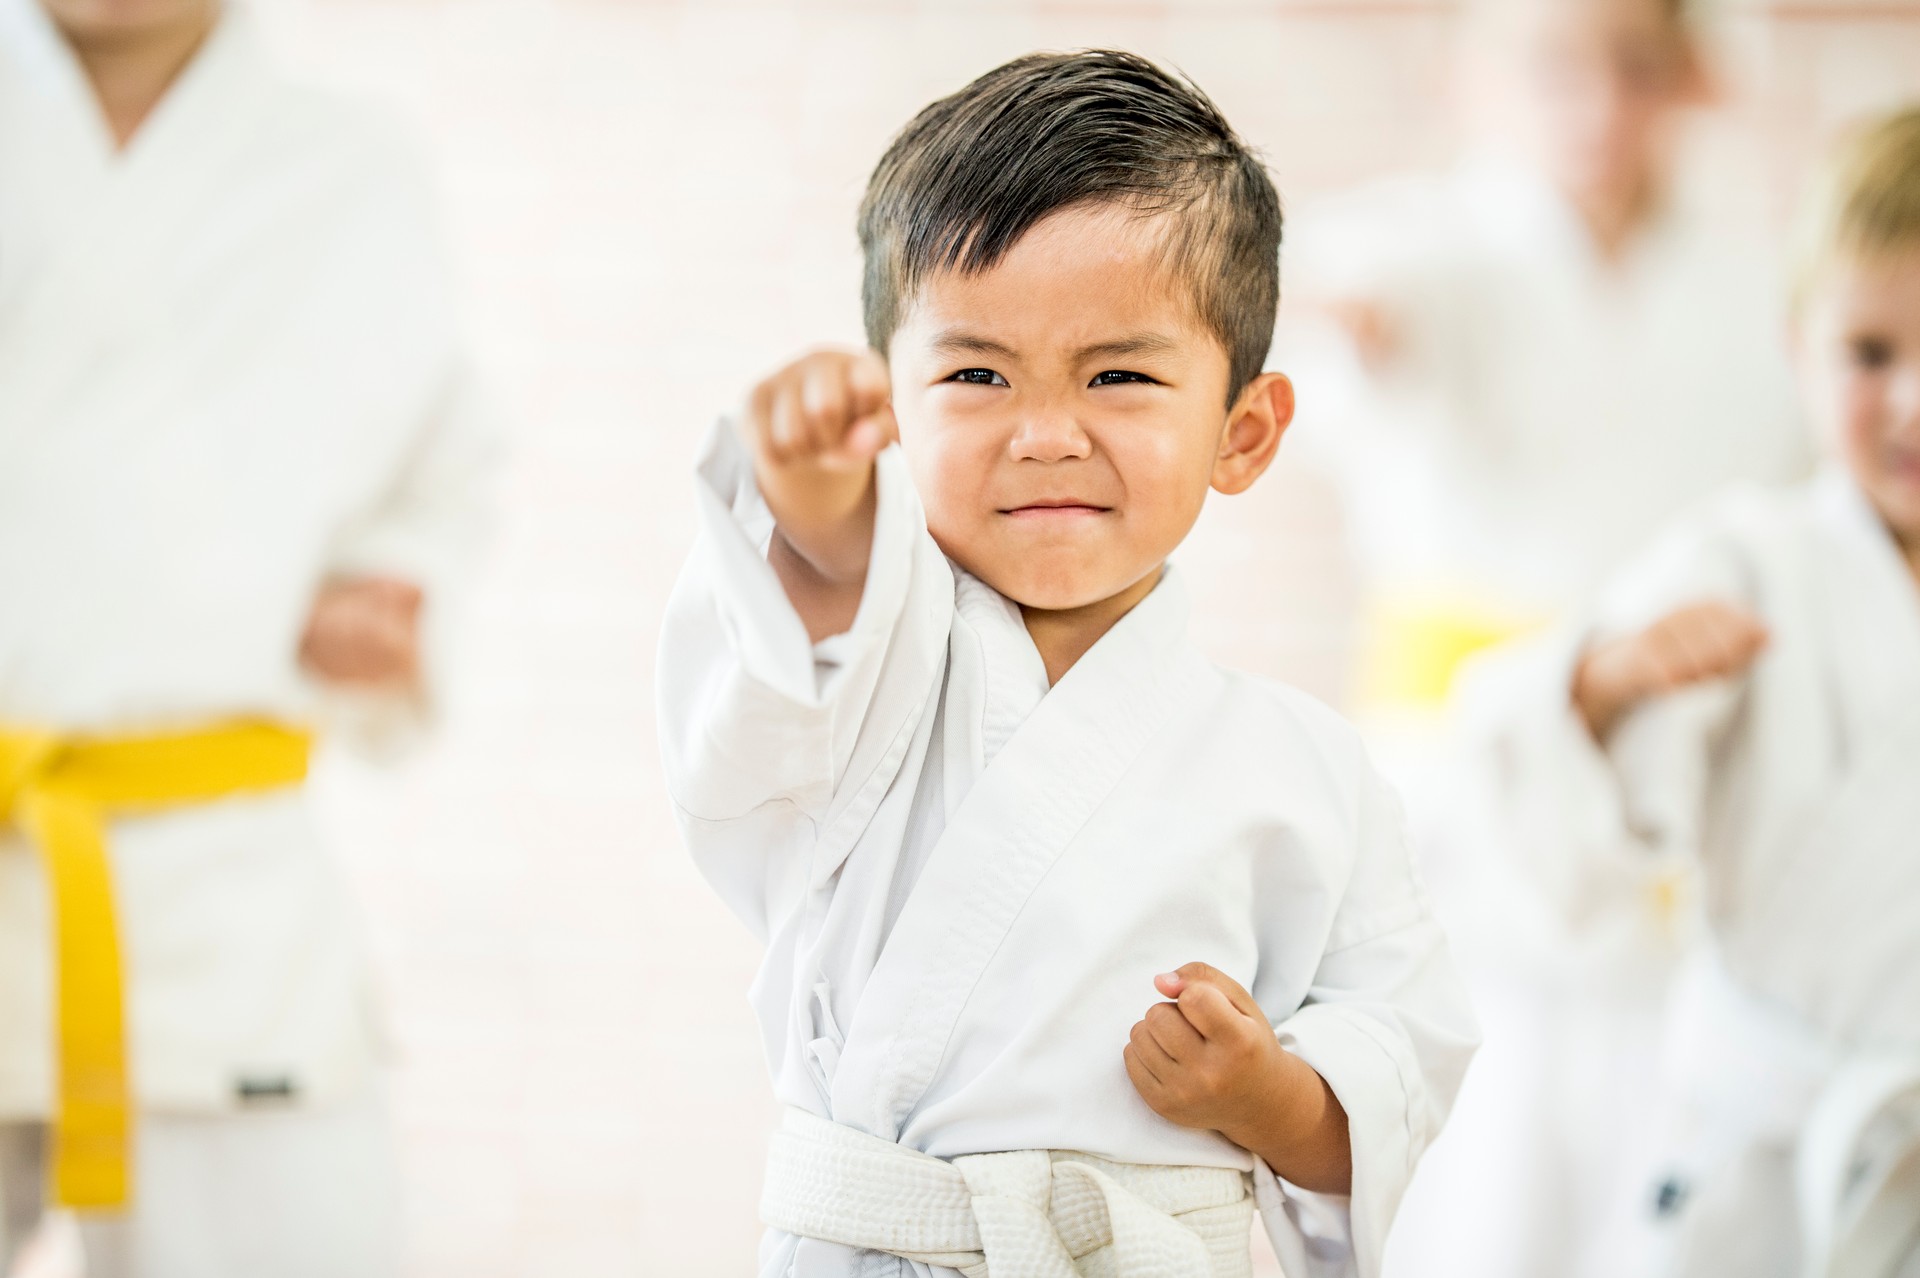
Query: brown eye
point(978, 377)
point(1870, 353)
point(1119, 377)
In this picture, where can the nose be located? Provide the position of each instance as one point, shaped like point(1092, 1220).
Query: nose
point(1903, 403)
point(1050, 435)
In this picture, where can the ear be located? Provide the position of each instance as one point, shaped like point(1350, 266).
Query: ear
point(1255, 423)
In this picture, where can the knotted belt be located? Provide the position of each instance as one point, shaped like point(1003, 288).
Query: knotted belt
point(62, 791)
point(1025, 1214)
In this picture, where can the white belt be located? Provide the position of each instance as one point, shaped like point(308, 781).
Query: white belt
point(1858, 1170)
point(1759, 1074)
point(1024, 1214)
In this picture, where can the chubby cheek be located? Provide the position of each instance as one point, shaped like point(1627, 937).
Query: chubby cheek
point(950, 468)
point(1160, 512)
point(1886, 468)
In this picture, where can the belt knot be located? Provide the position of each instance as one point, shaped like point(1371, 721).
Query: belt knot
point(26, 757)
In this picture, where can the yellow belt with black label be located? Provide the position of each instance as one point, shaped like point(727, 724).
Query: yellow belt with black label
point(61, 791)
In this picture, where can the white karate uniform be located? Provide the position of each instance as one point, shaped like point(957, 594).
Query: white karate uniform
point(967, 880)
point(229, 368)
point(1789, 796)
point(1544, 411)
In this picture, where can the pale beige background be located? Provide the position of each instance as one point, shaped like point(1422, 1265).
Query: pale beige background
point(654, 203)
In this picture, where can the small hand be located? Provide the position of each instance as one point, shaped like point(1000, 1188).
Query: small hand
point(364, 632)
point(1209, 1058)
point(1688, 646)
point(829, 410)
point(1370, 327)
point(815, 428)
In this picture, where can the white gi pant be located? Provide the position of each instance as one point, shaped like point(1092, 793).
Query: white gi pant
point(263, 1193)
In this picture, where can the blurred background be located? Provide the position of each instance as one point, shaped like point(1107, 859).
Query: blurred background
point(652, 204)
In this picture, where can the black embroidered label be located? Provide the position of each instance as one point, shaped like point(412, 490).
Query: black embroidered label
point(264, 1088)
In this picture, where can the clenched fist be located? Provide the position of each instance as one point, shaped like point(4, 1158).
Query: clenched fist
point(828, 410)
point(1210, 1059)
point(1687, 646)
point(364, 632)
point(815, 428)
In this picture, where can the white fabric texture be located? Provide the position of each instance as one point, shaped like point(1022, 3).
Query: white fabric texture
point(1785, 797)
point(229, 369)
point(309, 1192)
point(1023, 1212)
point(967, 880)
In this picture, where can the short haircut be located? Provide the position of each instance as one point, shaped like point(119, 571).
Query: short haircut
point(975, 171)
point(1867, 202)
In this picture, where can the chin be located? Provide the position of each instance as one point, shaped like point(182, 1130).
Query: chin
point(1049, 590)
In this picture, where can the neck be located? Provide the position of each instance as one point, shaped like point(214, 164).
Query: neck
point(131, 71)
point(1613, 218)
point(1065, 635)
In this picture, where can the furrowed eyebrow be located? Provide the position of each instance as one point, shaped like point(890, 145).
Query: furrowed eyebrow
point(959, 342)
point(1120, 348)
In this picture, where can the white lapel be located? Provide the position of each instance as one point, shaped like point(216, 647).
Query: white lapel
point(1870, 616)
point(1057, 768)
point(112, 215)
point(1850, 873)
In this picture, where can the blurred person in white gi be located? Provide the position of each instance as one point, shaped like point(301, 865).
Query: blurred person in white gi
point(240, 479)
point(1524, 332)
point(1536, 359)
point(1740, 709)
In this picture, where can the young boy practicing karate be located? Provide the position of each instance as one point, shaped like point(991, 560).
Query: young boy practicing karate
point(934, 729)
point(1744, 707)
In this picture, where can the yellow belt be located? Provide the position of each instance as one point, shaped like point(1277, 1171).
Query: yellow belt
point(1414, 648)
point(62, 791)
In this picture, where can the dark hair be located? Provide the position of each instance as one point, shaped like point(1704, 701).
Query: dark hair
point(975, 171)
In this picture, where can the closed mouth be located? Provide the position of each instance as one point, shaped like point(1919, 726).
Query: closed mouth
point(1067, 507)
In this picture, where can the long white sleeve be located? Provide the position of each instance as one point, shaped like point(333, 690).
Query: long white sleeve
point(428, 530)
point(1598, 830)
point(775, 748)
point(1388, 1024)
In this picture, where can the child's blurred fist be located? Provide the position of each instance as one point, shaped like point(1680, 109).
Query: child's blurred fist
point(1687, 646)
point(365, 632)
point(1208, 1059)
point(828, 410)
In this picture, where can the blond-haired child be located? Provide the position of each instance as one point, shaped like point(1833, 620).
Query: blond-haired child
point(1742, 712)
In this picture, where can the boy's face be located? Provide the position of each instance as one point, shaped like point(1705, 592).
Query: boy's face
point(1604, 82)
point(1860, 351)
point(1064, 412)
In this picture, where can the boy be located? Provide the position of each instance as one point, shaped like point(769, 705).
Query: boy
point(1523, 333)
point(933, 729)
point(1745, 705)
point(241, 476)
